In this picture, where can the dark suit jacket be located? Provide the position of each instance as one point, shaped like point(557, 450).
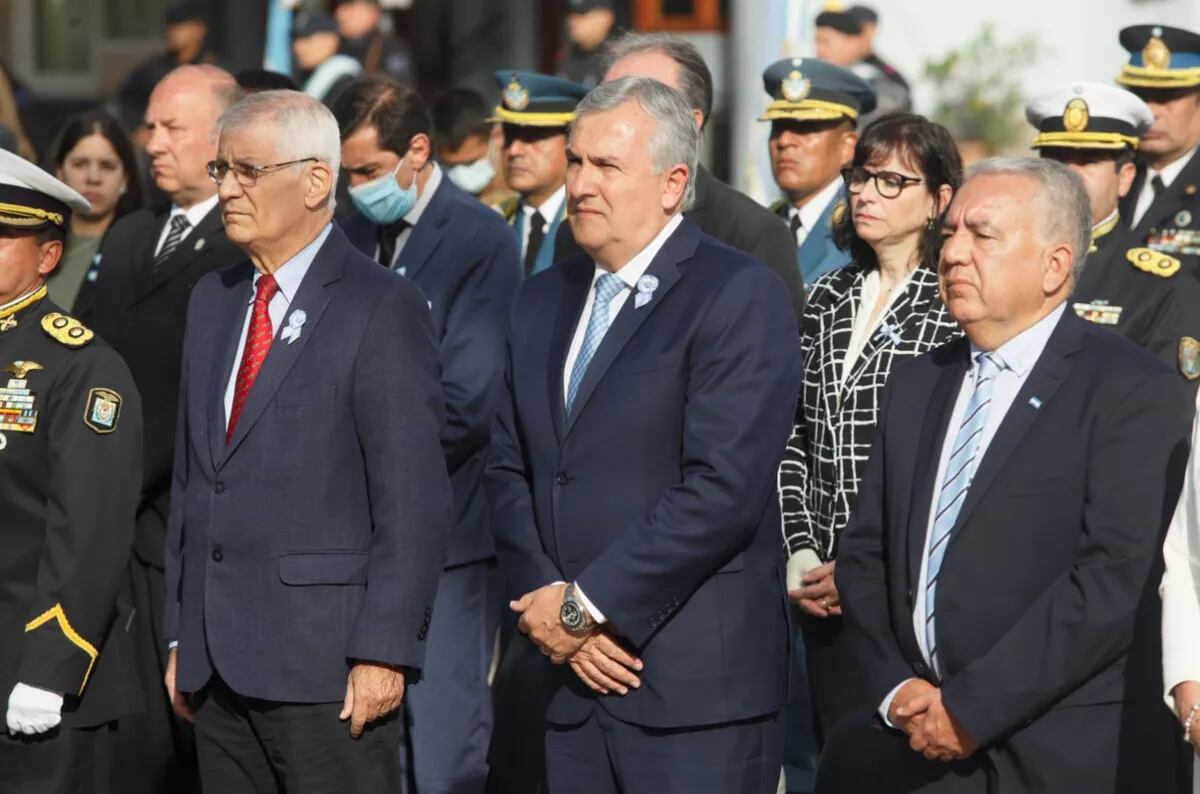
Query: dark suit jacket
point(738, 220)
point(1046, 566)
point(315, 537)
point(141, 313)
point(657, 493)
point(463, 257)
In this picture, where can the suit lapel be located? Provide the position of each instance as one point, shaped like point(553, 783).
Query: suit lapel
point(929, 450)
point(1050, 370)
point(678, 247)
point(578, 274)
point(230, 319)
point(313, 298)
point(428, 233)
point(194, 246)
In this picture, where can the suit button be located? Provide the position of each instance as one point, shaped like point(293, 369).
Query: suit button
point(922, 669)
point(217, 554)
point(428, 613)
point(421, 634)
point(218, 487)
point(563, 478)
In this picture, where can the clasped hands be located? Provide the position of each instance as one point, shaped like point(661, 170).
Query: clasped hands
point(595, 657)
point(917, 709)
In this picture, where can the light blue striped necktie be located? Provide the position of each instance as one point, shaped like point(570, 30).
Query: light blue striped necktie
point(960, 470)
point(608, 287)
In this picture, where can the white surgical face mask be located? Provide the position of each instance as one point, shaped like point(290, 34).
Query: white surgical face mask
point(472, 177)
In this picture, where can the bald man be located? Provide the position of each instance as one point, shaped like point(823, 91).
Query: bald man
point(143, 278)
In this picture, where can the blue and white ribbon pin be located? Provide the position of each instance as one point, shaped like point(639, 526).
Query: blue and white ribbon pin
point(291, 331)
point(645, 290)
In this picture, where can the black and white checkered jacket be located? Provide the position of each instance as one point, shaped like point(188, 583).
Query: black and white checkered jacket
point(832, 435)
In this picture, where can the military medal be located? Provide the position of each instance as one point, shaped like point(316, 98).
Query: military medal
point(18, 413)
point(1183, 218)
point(1099, 312)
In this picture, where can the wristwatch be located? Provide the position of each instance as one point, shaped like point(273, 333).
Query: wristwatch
point(573, 613)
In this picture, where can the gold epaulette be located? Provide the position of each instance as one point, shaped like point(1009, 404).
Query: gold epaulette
point(1154, 262)
point(66, 330)
point(508, 208)
point(777, 205)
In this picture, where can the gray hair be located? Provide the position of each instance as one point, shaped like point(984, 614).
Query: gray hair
point(1065, 212)
point(305, 127)
point(695, 79)
point(676, 139)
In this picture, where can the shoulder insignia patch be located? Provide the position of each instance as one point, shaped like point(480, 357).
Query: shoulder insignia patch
point(66, 330)
point(102, 410)
point(1154, 262)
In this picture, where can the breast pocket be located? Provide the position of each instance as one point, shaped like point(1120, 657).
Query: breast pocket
point(656, 363)
point(323, 567)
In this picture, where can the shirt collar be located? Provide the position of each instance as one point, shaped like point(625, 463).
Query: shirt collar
point(197, 212)
point(291, 273)
point(549, 208)
point(810, 213)
point(1170, 172)
point(1020, 353)
point(431, 186)
point(635, 268)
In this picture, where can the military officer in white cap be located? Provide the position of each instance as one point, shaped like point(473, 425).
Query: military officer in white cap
point(1149, 296)
point(70, 471)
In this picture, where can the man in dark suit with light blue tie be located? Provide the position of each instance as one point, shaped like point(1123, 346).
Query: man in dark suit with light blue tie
point(310, 504)
point(463, 257)
point(1011, 512)
point(649, 388)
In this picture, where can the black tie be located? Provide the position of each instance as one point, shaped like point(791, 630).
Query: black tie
point(796, 225)
point(1157, 185)
point(179, 226)
point(537, 233)
point(387, 241)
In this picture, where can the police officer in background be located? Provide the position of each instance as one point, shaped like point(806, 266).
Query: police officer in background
point(846, 37)
point(70, 461)
point(368, 39)
point(534, 112)
point(591, 30)
point(814, 116)
point(1148, 296)
point(1163, 208)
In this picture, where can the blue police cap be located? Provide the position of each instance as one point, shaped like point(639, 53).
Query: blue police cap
point(809, 89)
point(1160, 57)
point(531, 99)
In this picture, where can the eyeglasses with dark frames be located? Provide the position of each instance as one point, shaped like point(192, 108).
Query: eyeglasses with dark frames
point(248, 175)
point(889, 184)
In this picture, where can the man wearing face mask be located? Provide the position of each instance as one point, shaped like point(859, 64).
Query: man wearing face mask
point(535, 110)
point(464, 259)
point(467, 145)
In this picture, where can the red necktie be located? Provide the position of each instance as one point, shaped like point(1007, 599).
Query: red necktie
point(258, 342)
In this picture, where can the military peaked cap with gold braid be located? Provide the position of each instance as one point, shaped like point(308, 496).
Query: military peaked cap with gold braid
point(530, 99)
point(809, 89)
point(1089, 116)
point(32, 199)
point(1160, 57)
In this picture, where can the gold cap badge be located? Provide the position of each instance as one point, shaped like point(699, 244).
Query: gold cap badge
point(795, 87)
point(516, 96)
point(1075, 115)
point(1156, 54)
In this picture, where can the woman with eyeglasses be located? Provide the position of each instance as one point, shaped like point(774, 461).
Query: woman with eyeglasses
point(859, 322)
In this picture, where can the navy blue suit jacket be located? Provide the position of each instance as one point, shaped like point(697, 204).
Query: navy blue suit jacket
point(463, 257)
point(1039, 587)
point(657, 493)
point(316, 535)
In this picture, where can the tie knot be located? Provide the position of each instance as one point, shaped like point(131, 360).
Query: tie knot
point(536, 221)
point(607, 288)
point(989, 365)
point(1158, 184)
point(265, 289)
point(179, 223)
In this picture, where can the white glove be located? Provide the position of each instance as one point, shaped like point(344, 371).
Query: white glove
point(33, 710)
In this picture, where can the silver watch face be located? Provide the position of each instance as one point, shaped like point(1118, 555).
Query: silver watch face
point(571, 615)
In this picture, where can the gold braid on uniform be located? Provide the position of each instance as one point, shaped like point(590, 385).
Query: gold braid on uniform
point(56, 612)
point(24, 303)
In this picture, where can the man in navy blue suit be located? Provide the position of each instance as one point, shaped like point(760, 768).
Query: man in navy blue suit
point(649, 389)
point(1011, 513)
point(310, 506)
point(463, 257)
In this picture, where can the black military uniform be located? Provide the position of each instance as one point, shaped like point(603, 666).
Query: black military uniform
point(1163, 59)
point(70, 466)
point(587, 67)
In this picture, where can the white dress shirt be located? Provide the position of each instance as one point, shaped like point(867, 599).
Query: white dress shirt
point(414, 214)
point(810, 213)
point(863, 325)
point(548, 211)
point(1017, 356)
point(1168, 175)
point(289, 276)
point(194, 215)
point(629, 273)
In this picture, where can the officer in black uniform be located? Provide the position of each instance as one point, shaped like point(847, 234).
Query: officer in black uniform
point(1163, 207)
point(1149, 296)
point(70, 468)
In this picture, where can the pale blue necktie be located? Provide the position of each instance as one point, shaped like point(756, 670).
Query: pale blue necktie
point(960, 470)
point(608, 287)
